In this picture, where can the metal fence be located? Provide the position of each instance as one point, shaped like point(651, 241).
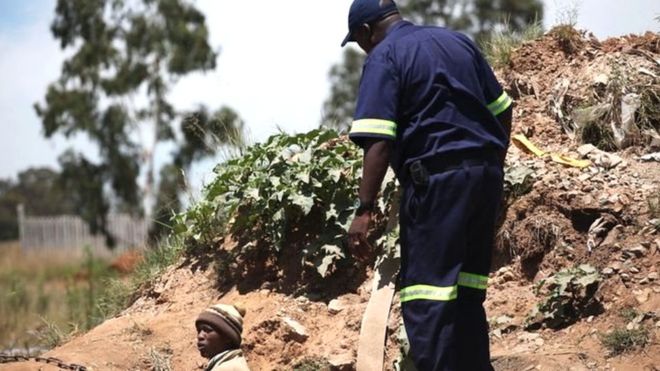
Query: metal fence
point(66, 232)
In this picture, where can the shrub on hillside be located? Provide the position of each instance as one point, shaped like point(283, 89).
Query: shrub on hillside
point(288, 199)
point(569, 295)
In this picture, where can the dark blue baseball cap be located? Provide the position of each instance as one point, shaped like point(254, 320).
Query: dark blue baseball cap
point(367, 11)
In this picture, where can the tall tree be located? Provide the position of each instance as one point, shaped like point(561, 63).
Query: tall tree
point(126, 55)
point(477, 18)
point(344, 79)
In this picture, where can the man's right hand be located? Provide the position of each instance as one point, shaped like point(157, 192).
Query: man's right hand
point(358, 244)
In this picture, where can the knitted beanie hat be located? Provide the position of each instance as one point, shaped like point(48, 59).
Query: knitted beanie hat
point(226, 319)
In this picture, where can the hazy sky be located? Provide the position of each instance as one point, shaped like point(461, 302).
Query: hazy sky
point(272, 68)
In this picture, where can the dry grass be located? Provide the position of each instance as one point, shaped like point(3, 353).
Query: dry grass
point(499, 48)
point(45, 296)
point(622, 340)
point(159, 359)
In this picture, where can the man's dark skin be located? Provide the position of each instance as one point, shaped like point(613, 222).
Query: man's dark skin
point(210, 342)
point(377, 152)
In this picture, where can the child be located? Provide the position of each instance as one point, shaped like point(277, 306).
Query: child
point(219, 329)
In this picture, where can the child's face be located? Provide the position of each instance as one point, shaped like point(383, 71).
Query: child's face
point(209, 341)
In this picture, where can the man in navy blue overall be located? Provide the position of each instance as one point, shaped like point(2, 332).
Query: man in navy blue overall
point(430, 106)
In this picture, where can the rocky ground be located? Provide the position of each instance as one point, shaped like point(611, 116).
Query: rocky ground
point(606, 215)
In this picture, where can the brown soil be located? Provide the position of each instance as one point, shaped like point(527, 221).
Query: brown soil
point(543, 232)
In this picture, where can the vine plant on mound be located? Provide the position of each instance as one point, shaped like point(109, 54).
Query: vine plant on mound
point(287, 204)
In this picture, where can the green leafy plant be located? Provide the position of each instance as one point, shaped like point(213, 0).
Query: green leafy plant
point(518, 180)
point(570, 294)
point(622, 340)
point(288, 199)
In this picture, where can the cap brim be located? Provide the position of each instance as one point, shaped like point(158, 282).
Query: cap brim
point(348, 38)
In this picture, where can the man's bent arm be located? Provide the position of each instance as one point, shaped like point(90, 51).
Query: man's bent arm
point(376, 160)
point(505, 118)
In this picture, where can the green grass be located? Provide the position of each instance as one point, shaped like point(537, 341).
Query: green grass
point(622, 340)
point(312, 364)
point(121, 292)
point(46, 298)
point(499, 48)
point(40, 294)
point(628, 313)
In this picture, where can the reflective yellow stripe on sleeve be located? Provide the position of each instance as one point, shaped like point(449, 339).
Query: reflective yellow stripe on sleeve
point(427, 292)
point(472, 280)
point(500, 104)
point(374, 126)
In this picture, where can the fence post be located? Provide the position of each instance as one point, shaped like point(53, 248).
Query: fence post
point(20, 211)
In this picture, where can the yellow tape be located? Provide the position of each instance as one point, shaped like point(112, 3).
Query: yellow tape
point(568, 161)
point(526, 145)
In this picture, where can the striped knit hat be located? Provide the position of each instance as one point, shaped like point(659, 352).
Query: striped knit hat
point(226, 319)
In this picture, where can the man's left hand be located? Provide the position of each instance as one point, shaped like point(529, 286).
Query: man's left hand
point(357, 236)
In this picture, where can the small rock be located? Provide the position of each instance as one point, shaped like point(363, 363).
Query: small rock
point(653, 276)
point(335, 306)
point(613, 236)
point(640, 318)
point(642, 296)
point(584, 150)
point(632, 326)
point(637, 251)
point(613, 199)
point(607, 271)
point(600, 79)
point(605, 160)
point(341, 362)
point(616, 266)
point(584, 177)
point(302, 300)
point(625, 277)
point(644, 281)
point(297, 332)
point(634, 270)
point(528, 336)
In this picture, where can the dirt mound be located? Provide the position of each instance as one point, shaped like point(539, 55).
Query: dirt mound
point(605, 216)
point(281, 332)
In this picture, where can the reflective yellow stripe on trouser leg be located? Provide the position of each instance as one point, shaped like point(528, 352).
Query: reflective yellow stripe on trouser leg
point(475, 281)
point(428, 292)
